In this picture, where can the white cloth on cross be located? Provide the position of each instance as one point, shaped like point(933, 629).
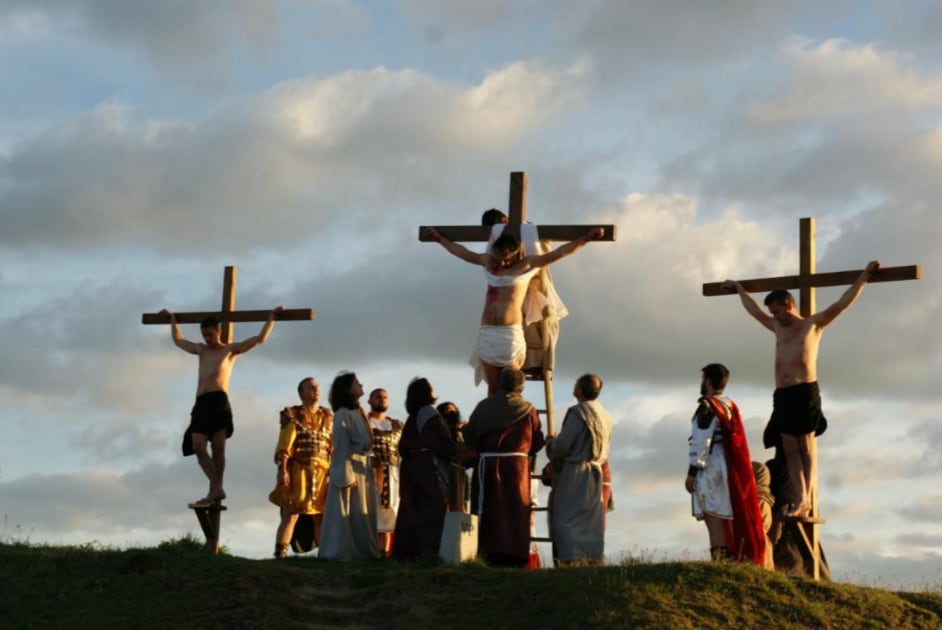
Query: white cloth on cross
point(536, 300)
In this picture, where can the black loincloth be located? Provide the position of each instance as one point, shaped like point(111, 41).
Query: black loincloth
point(210, 414)
point(796, 410)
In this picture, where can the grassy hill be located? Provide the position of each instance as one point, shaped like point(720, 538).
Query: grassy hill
point(176, 585)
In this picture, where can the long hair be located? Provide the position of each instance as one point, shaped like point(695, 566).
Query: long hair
point(418, 395)
point(340, 396)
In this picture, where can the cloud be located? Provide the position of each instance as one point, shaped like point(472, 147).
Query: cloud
point(247, 176)
point(827, 135)
point(835, 79)
point(174, 36)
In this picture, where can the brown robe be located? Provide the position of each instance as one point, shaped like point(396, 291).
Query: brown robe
point(425, 446)
point(510, 426)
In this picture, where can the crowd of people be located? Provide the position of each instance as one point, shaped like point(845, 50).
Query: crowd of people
point(373, 486)
point(377, 487)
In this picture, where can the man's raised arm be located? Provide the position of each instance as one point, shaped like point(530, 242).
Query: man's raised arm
point(177, 335)
point(241, 347)
point(828, 315)
point(566, 249)
point(455, 249)
point(752, 307)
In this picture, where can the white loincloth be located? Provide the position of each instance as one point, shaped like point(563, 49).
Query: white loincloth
point(498, 345)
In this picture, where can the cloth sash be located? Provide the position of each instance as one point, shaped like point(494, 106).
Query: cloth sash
point(748, 541)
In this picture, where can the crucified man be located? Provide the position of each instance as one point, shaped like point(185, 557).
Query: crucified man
point(211, 418)
point(508, 271)
point(796, 405)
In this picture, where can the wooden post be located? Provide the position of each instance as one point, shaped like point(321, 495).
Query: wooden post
point(806, 281)
point(208, 517)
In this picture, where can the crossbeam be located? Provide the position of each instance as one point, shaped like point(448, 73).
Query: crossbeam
point(517, 214)
point(228, 315)
point(831, 279)
point(236, 317)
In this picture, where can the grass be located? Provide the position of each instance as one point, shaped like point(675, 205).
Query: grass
point(177, 585)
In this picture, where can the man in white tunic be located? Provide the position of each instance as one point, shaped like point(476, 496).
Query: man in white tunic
point(577, 523)
point(720, 477)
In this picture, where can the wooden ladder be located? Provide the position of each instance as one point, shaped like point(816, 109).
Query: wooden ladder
point(546, 376)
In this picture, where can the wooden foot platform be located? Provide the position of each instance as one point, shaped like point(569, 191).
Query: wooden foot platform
point(208, 516)
point(808, 528)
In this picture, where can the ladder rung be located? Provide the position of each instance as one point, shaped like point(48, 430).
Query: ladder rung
point(540, 539)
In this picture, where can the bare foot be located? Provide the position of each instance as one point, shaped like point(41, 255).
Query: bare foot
point(209, 499)
point(798, 510)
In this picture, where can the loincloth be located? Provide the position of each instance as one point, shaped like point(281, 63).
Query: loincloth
point(211, 413)
point(500, 346)
point(796, 410)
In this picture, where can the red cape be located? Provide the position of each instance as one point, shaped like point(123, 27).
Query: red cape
point(748, 536)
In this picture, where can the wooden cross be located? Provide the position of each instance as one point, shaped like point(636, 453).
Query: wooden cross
point(517, 213)
point(806, 281)
point(228, 315)
point(208, 516)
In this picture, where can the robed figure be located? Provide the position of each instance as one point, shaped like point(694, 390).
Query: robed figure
point(425, 449)
point(505, 431)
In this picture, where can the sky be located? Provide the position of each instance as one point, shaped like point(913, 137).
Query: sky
point(145, 146)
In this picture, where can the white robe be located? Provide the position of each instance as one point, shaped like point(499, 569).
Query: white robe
point(577, 523)
point(349, 528)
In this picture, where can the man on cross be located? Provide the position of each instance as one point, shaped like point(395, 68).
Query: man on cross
point(508, 271)
point(211, 418)
point(796, 408)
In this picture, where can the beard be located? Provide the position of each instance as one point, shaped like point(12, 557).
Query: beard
point(703, 389)
point(379, 409)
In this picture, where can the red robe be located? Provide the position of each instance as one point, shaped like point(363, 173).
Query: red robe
point(747, 542)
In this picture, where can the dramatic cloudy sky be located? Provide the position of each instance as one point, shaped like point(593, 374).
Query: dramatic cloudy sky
point(146, 145)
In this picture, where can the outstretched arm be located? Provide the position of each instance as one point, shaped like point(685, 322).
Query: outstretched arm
point(828, 315)
point(177, 334)
point(241, 347)
point(564, 250)
point(752, 307)
point(455, 249)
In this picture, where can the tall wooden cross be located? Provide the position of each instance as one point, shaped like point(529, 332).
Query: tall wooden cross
point(208, 516)
point(806, 281)
point(517, 215)
point(228, 315)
